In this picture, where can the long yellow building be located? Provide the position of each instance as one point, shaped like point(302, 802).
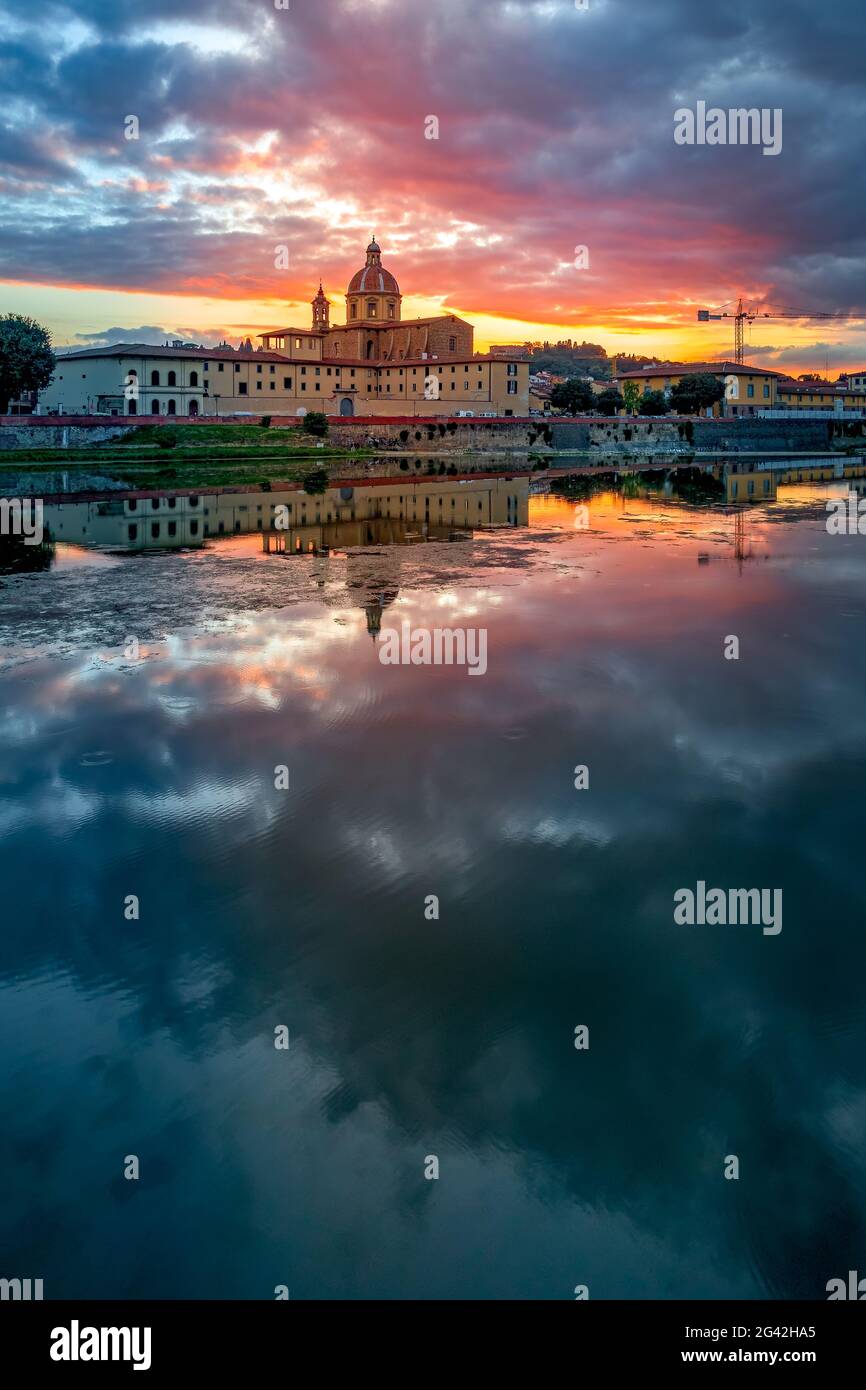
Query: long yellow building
point(377, 363)
point(749, 389)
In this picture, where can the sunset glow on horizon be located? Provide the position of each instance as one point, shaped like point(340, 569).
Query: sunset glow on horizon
point(305, 128)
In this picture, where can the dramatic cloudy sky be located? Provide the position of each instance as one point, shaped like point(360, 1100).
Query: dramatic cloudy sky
point(304, 127)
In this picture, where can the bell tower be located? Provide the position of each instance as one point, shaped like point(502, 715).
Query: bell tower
point(321, 311)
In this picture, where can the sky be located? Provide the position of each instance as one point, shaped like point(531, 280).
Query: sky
point(305, 127)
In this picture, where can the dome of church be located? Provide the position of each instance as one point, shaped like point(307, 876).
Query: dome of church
point(373, 278)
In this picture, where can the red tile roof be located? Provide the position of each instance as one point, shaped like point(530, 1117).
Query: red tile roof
point(691, 368)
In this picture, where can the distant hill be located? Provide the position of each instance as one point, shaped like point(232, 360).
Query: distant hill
point(569, 359)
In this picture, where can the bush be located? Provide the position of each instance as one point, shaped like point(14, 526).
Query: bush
point(404, 466)
point(266, 422)
point(404, 435)
point(314, 422)
point(166, 437)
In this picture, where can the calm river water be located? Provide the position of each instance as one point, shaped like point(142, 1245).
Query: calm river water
point(150, 773)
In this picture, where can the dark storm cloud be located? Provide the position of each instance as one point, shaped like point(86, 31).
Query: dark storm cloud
point(556, 128)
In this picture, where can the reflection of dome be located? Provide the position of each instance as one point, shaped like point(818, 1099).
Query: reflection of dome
point(374, 278)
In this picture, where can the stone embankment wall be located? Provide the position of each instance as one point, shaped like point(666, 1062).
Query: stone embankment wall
point(411, 435)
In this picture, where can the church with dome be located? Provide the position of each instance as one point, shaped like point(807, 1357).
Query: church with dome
point(377, 363)
point(375, 330)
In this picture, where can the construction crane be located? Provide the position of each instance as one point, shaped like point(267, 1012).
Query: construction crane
point(742, 315)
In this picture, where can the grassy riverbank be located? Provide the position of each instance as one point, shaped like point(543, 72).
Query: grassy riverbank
point(199, 456)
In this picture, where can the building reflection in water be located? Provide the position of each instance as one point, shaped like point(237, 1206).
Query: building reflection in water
point(387, 512)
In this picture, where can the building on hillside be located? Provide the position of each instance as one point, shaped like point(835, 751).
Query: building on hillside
point(376, 364)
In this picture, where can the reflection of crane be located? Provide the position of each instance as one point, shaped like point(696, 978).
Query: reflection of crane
point(741, 315)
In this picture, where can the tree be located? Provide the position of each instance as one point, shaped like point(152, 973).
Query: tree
point(314, 422)
point(609, 402)
point(653, 403)
point(631, 396)
point(26, 360)
point(316, 482)
point(696, 392)
point(573, 396)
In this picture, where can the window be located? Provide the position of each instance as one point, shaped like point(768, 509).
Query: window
point(512, 369)
point(172, 528)
point(287, 383)
point(766, 393)
point(172, 503)
point(154, 530)
point(297, 342)
point(172, 407)
point(273, 386)
point(237, 366)
point(154, 378)
point(242, 388)
point(259, 368)
point(272, 369)
point(133, 533)
point(351, 371)
point(193, 378)
point(220, 366)
point(512, 388)
point(390, 311)
point(132, 407)
point(354, 311)
point(154, 407)
point(371, 309)
point(193, 528)
point(172, 378)
point(452, 344)
point(303, 371)
point(750, 390)
point(133, 504)
point(466, 386)
point(258, 386)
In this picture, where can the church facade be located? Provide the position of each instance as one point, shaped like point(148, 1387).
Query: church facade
point(377, 363)
point(375, 330)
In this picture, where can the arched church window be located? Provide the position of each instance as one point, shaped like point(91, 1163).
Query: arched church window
point(371, 309)
point(390, 311)
point(172, 378)
point(193, 378)
point(154, 407)
point(172, 408)
point(154, 378)
point(354, 311)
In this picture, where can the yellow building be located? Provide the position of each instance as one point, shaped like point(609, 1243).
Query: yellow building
point(376, 364)
point(748, 389)
point(819, 395)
